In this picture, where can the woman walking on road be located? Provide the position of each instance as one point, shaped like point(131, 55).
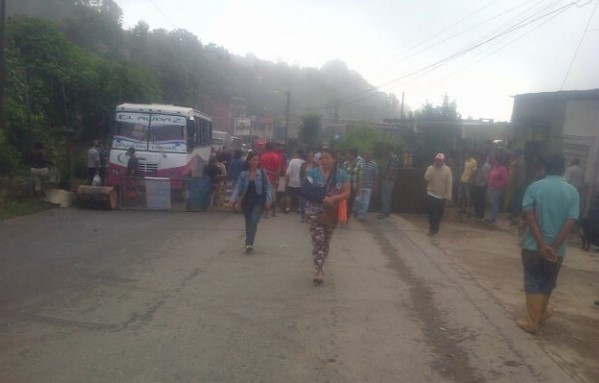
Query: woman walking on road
point(322, 216)
point(307, 165)
point(253, 190)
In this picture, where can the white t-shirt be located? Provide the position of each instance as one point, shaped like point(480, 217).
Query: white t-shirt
point(293, 172)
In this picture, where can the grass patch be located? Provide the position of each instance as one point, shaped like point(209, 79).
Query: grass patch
point(10, 209)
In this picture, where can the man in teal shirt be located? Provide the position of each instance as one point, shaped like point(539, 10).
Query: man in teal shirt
point(551, 209)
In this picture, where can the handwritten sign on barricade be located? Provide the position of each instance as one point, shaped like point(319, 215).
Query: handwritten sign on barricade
point(158, 193)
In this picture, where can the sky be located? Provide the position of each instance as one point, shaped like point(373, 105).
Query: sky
point(478, 52)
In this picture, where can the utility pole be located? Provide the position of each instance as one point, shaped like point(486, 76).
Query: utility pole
point(401, 109)
point(288, 94)
point(2, 64)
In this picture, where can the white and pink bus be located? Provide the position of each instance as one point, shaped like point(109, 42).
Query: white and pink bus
point(170, 141)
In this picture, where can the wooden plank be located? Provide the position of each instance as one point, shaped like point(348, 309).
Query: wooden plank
point(97, 197)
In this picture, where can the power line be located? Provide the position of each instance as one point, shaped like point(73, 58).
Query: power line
point(404, 55)
point(501, 47)
point(163, 14)
point(518, 19)
point(401, 59)
point(586, 29)
point(429, 68)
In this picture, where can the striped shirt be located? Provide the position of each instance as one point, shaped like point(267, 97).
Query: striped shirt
point(370, 171)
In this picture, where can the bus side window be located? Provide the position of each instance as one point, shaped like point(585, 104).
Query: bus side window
point(191, 136)
point(200, 132)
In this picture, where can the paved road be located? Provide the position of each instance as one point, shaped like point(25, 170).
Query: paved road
point(129, 296)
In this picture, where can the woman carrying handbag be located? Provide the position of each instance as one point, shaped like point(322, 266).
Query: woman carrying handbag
point(324, 187)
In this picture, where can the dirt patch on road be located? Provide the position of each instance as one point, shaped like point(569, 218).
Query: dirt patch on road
point(490, 254)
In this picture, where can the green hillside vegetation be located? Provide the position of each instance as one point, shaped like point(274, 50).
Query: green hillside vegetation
point(70, 62)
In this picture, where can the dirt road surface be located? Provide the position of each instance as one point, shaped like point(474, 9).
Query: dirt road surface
point(126, 296)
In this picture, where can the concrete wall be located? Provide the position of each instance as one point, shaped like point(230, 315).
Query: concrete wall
point(581, 138)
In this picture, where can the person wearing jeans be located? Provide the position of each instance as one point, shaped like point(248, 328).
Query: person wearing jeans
point(255, 193)
point(368, 180)
point(388, 182)
point(498, 178)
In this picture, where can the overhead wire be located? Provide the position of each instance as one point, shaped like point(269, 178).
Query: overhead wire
point(163, 14)
point(331, 86)
point(529, 12)
point(429, 68)
point(586, 29)
point(492, 52)
point(491, 46)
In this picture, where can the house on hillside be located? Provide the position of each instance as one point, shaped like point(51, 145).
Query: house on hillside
point(564, 121)
point(225, 113)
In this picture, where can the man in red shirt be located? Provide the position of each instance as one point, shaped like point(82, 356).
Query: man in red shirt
point(272, 163)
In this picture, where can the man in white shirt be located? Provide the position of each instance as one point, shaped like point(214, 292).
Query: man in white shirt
point(93, 162)
point(293, 181)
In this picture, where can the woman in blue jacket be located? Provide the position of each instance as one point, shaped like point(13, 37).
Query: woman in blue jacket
point(253, 190)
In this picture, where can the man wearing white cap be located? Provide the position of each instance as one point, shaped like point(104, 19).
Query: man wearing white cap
point(438, 189)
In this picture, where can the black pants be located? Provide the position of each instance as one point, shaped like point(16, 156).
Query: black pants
point(350, 204)
point(435, 213)
point(294, 196)
point(479, 200)
point(91, 173)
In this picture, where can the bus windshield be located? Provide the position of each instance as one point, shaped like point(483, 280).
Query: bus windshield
point(151, 132)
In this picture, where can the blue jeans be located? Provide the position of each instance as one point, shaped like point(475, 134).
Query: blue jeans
point(495, 198)
point(252, 214)
point(386, 193)
point(362, 202)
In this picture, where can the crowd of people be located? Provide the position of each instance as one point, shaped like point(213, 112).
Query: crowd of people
point(550, 207)
point(317, 184)
point(276, 184)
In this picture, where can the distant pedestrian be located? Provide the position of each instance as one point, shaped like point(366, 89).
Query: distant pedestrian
point(517, 175)
point(254, 192)
point(323, 216)
point(498, 178)
point(466, 183)
point(367, 184)
point(236, 167)
point(93, 162)
point(271, 162)
point(132, 192)
point(551, 208)
point(293, 181)
point(479, 190)
point(309, 164)
point(104, 159)
point(439, 187)
point(353, 169)
point(574, 175)
point(39, 169)
point(388, 177)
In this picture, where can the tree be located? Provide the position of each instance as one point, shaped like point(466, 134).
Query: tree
point(361, 137)
point(309, 131)
point(438, 130)
point(447, 111)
